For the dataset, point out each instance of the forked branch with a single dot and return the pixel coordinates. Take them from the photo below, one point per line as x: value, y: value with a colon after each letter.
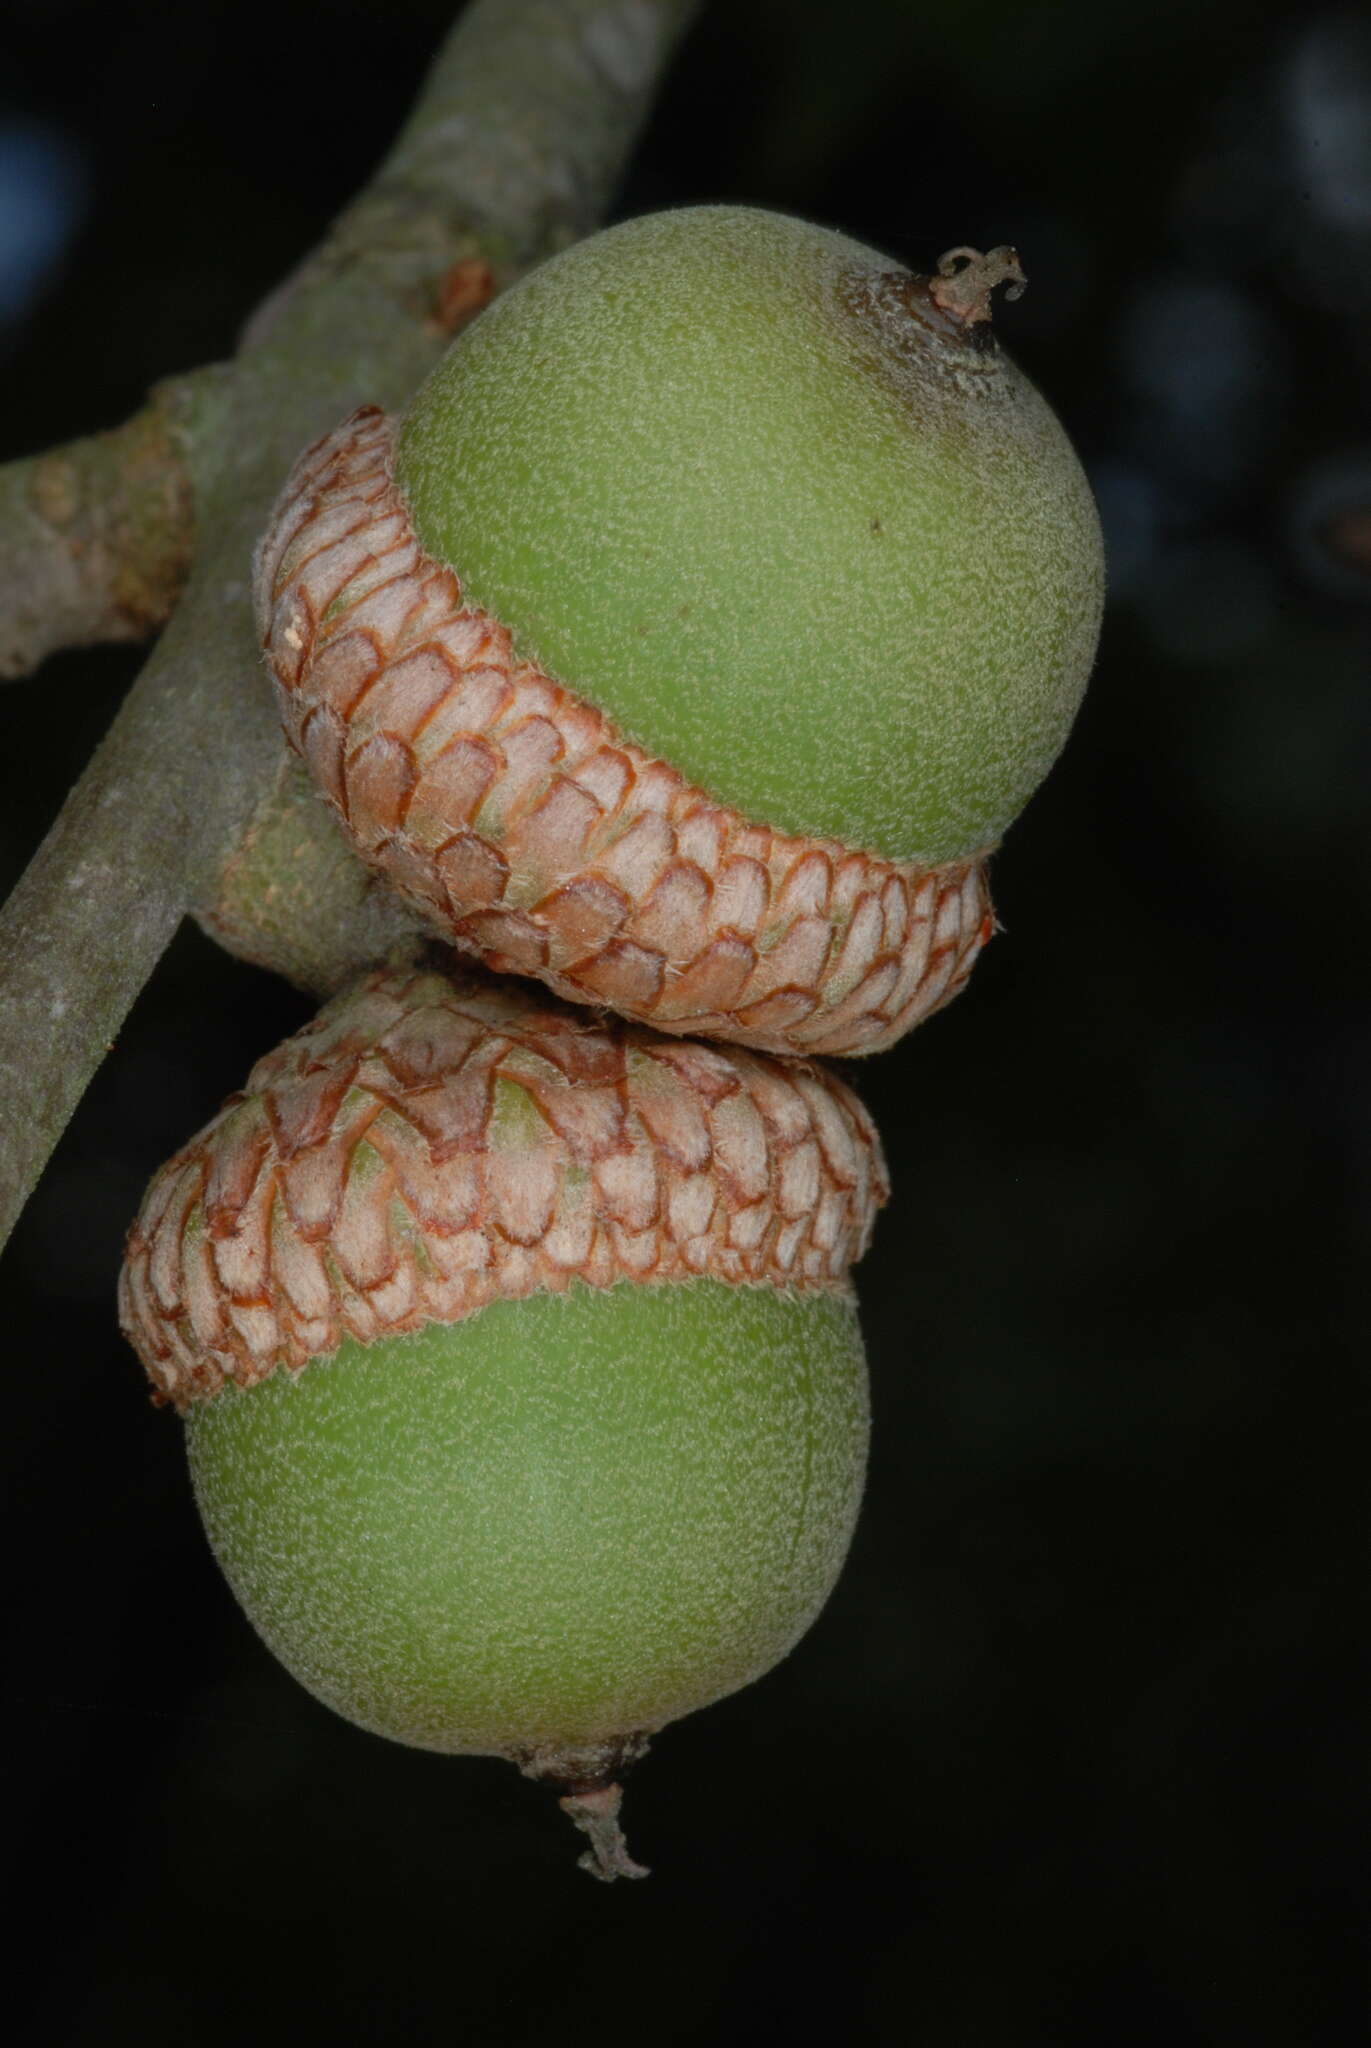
x: 512, y: 150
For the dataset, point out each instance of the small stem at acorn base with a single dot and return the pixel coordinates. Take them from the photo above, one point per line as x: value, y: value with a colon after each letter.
x: 586, y: 1777
x: 596, y: 1814
x: 967, y: 279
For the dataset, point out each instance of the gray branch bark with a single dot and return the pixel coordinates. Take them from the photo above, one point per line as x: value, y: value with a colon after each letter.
x: 98, y: 535
x: 513, y: 150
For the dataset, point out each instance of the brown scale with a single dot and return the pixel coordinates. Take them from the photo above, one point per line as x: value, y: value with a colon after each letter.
x: 529, y: 832
x: 432, y: 1143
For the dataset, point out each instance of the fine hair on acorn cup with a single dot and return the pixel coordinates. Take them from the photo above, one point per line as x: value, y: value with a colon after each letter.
x: 680, y: 657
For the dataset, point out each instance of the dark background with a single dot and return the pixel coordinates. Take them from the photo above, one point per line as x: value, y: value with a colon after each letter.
x: 1075, y: 1753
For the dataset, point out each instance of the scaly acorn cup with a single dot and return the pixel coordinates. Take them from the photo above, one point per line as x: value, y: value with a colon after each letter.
x: 525, y: 1398
x: 720, y: 600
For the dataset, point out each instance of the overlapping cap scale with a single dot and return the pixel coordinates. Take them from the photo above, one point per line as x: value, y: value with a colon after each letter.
x: 528, y: 831
x: 430, y: 1144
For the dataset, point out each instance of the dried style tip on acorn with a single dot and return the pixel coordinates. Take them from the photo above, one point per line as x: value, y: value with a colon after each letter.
x: 526, y: 1403
x: 722, y: 597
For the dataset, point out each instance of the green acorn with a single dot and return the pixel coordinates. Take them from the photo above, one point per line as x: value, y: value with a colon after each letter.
x: 525, y: 1399
x: 720, y: 600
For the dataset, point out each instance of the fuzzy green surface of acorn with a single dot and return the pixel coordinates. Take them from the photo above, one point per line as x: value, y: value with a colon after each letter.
x: 526, y: 1403
x: 566, y: 1521
x: 798, y: 528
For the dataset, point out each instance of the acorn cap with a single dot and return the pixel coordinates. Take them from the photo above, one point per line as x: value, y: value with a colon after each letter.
x: 431, y: 1143
x: 529, y: 832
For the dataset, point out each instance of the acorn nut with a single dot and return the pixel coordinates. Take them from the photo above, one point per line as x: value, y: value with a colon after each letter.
x: 719, y: 602
x: 525, y: 1399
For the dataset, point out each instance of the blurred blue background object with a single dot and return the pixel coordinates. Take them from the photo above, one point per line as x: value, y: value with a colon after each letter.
x: 42, y: 201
